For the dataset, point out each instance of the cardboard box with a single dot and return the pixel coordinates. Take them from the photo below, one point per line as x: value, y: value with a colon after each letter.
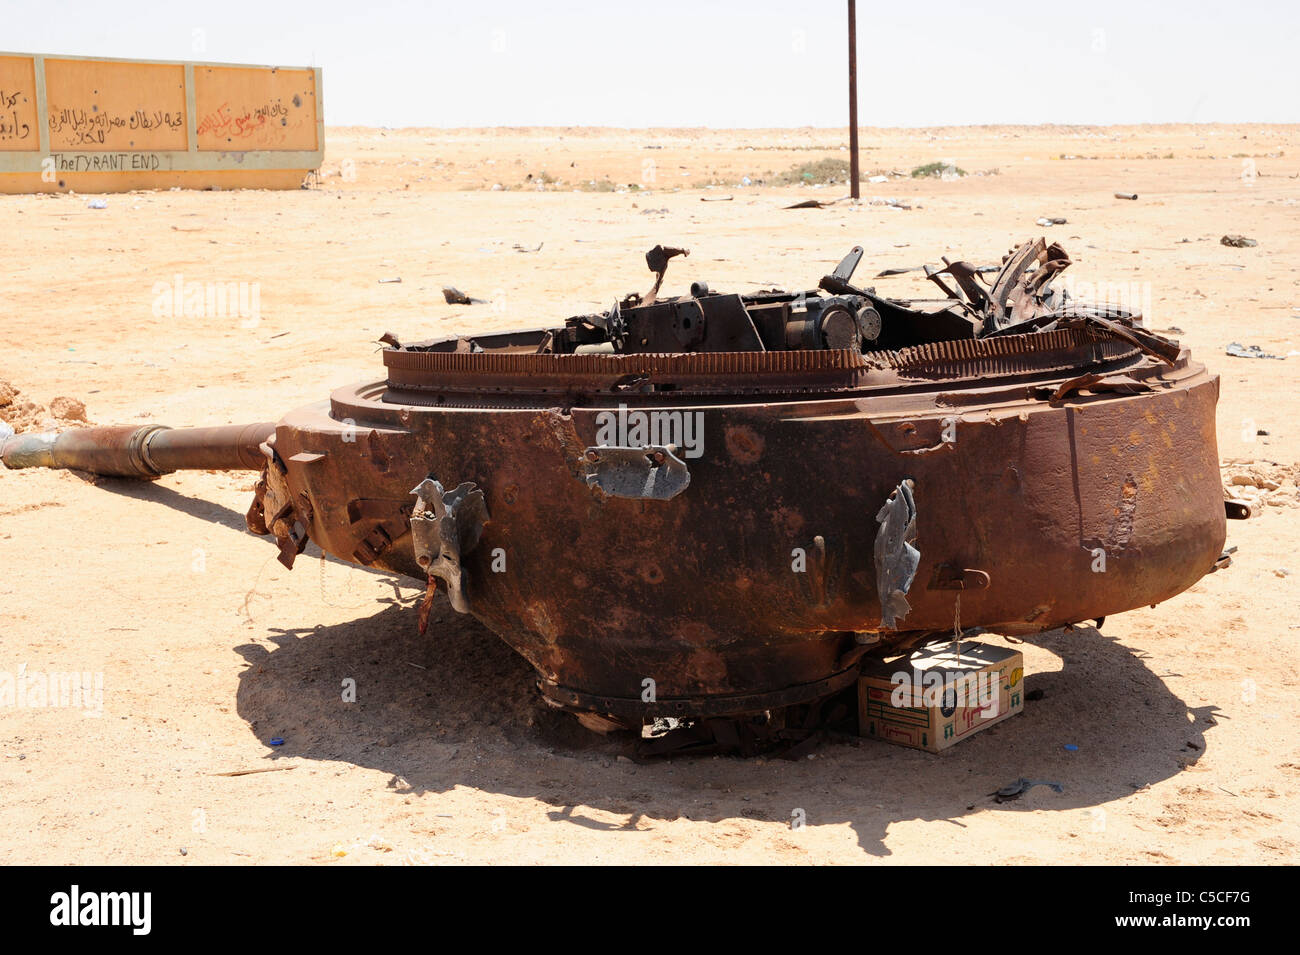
x: 937, y: 698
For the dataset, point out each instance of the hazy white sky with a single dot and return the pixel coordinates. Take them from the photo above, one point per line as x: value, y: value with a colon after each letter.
x: 756, y: 63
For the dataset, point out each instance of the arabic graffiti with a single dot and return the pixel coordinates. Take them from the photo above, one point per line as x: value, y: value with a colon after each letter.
x: 11, y: 126
x: 232, y: 123
x: 80, y: 127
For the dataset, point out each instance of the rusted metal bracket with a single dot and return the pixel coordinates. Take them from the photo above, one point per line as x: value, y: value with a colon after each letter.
x: 651, y: 473
x: 445, y: 526
x: 388, y: 519
x: 952, y: 577
x: 1237, y: 510
x: 275, y: 509
x: 896, y: 556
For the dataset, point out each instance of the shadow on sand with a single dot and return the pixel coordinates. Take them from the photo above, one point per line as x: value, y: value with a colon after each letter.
x: 458, y: 707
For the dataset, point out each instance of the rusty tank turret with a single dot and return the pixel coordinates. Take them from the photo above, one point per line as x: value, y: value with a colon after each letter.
x: 718, y: 505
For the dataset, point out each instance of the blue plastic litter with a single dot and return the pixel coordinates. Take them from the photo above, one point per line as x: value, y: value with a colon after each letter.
x: 1071, y: 748
x: 277, y: 741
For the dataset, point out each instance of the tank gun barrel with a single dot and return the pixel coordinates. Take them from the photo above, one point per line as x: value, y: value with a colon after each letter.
x: 142, y: 451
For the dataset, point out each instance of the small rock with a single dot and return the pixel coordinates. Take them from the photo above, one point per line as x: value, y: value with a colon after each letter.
x: 68, y: 409
x: 7, y: 394
x: 1282, y: 572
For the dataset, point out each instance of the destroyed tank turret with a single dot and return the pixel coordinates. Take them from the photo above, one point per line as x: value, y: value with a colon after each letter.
x: 719, y: 505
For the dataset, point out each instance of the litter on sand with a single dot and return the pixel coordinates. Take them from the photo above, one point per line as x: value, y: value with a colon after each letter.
x: 1238, y: 350
x: 1021, y: 786
x: 455, y: 296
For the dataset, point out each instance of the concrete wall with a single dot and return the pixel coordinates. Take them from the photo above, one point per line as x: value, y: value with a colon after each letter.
x: 102, y: 125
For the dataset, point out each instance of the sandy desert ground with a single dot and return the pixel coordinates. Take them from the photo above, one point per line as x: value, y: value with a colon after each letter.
x: 1186, y: 717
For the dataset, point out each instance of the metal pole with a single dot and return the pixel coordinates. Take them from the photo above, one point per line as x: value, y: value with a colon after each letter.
x: 854, y: 171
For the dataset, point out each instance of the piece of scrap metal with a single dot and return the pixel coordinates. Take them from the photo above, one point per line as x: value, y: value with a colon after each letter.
x: 650, y: 473
x: 896, y: 555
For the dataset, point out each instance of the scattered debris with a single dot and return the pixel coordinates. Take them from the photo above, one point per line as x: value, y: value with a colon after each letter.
x: 815, y: 203
x: 258, y: 769
x: 1050, y: 220
x: 715, y: 198
x: 1238, y: 350
x: 523, y: 248
x: 455, y: 296
x: 1126, y: 195
x: 1225, y: 559
x: 1021, y: 786
x: 397, y: 280
x: 97, y: 204
x: 1238, y: 242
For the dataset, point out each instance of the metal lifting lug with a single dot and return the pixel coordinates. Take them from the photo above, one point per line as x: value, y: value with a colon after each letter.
x: 445, y: 526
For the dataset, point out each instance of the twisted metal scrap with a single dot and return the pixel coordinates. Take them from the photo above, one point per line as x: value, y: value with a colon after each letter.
x: 445, y: 526
x: 896, y: 557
